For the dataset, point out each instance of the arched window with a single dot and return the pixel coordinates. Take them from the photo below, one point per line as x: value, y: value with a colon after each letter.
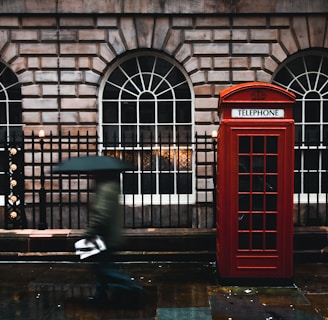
x: 147, y: 119
x: 11, y: 150
x: 306, y: 74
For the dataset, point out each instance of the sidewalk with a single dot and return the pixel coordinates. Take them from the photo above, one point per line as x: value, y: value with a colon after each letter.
x: 172, y: 291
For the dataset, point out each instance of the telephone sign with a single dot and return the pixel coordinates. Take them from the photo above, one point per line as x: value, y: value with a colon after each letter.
x: 255, y: 182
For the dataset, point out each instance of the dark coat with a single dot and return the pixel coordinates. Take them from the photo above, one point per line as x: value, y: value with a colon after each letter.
x: 106, y: 215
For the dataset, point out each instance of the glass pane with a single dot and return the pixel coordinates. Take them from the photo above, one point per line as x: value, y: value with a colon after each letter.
x: 297, y: 182
x: 271, y: 222
x: 130, y: 183
x: 183, y: 134
x: 258, y: 144
x: 165, y: 112
x: 147, y: 111
x: 16, y: 134
x: 244, y: 144
x: 312, y: 134
x: 3, y: 113
x: 4, y: 184
x: 148, y: 183
x: 298, y: 134
x: 129, y: 135
x: 312, y: 109
x: 111, y: 92
x: 166, y: 160
x: 182, y: 91
x: 244, y: 202
x: 184, y: 183
x: 244, y: 222
x: 257, y: 203
x: 325, y: 134
x: 243, y: 240
x: 324, y: 182
x: 110, y: 112
x: 15, y: 112
x: 148, y: 160
x: 257, y: 222
x: 166, y: 183
x: 257, y: 183
x: 325, y: 110
x: 271, y: 202
x: 165, y: 134
x: 272, y: 164
x: 162, y: 67
x: 244, y: 164
x: 311, y: 182
x: 297, y: 111
x: 258, y: 164
x: 311, y: 159
x: 271, y: 241
x: 257, y: 240
x: 272, y: 145
x: 110, y: 134
x: 147, y: 134
x: 4, y: 161
x: 183, y: 112
x: 3, y: 136
x: 271, y: 183
x: 183, y: 158
x: 129, y: 112
x: 324, y: 161
x: 244, y: 183
x: 297, y: 155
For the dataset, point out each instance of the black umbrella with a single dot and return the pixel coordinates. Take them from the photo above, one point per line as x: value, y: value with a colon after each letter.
x: 92, y: 164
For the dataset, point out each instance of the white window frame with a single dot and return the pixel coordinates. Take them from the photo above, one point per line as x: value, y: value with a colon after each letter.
x: 156, y: 198
x: 302, y: 85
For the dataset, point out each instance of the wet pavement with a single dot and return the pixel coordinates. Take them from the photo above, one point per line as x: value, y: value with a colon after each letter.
x: 172, y: 291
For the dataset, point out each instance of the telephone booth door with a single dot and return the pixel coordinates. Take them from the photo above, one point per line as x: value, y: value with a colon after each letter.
x: 255, y: 184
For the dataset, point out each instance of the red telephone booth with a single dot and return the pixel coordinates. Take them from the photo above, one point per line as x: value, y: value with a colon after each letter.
x: 255, y: 182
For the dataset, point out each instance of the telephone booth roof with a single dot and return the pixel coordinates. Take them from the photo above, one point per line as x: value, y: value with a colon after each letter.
x: 251, y: 92
x: 256, y: 95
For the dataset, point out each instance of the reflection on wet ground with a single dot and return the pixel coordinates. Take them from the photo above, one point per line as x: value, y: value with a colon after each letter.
x: 171, y: 292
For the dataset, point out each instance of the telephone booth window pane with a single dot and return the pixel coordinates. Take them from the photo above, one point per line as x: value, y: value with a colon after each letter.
x: 272, y: 164
x: 244, y: 202
x: 257, y: 183
x: 257, y: 240
x: 257, y: 221
x: 244, y: 183
x: 272, y: 145
x: 271, y: 202
x: 244, y: 144
x: 258, y: 164
x: 244, y: 222
x: 243, y: 240
x: 270, y: 241
x: 244, y: 164
x: 257, y: 203
x: 271, y: 183
x: 271, y: 222
x: 258, y: 144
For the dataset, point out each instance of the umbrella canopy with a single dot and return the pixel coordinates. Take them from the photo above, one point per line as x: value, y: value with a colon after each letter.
x: 91, y: 164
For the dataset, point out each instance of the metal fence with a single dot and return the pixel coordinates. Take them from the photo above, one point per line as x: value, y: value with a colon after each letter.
x: 63, y: 201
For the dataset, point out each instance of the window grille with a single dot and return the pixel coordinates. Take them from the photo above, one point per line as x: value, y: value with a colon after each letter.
x: 147, y: 119
x: 306, y: 74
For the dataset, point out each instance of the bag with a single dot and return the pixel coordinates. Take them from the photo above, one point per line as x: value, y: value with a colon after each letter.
x: 86, y: 248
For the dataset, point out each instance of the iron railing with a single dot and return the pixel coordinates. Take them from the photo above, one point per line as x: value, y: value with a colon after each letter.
x: 63, y: 201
